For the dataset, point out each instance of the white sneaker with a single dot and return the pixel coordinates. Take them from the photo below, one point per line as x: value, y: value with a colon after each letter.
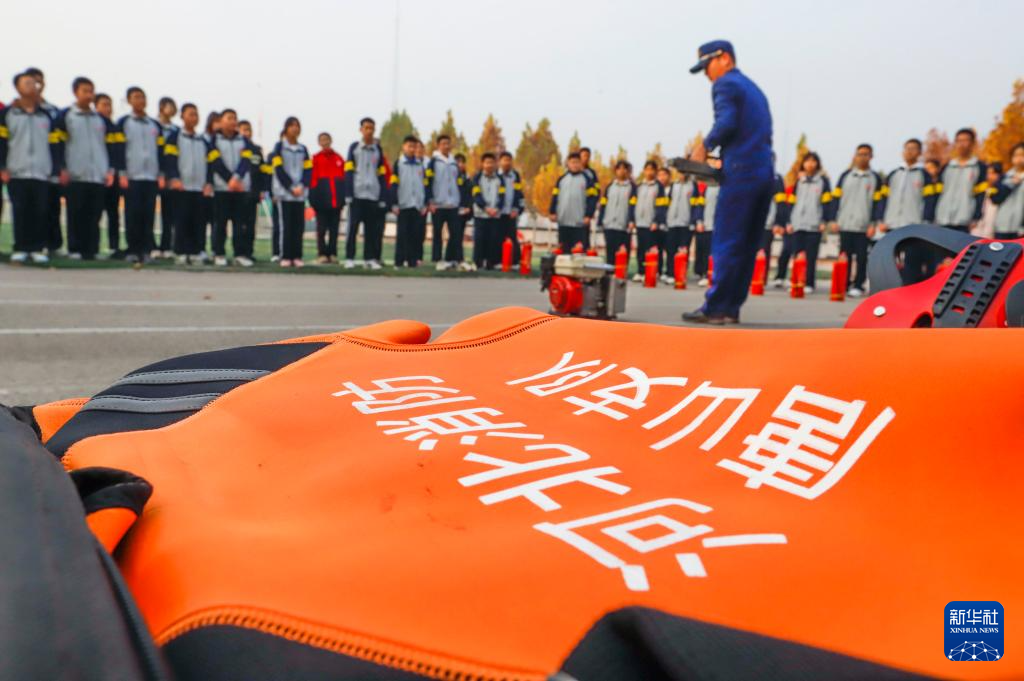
x: 466, y: 267
x: 808, y: 289
x: 156, y: 253
x: 220, y: 261
x: 855, y: 292
x: 638, y: 277
x: 39, y: 258
x: 373, y: 265
x: 19, y: 256
x: 243, y: 261
x: 703, y: 281
x: 275, y: 258
x: 75, y: 256
x: 349, y: 264
x: 665, y: 279
x: 441, y: 266
x: 181, y: 260
x: 167, y: 254
x: 778, y: 283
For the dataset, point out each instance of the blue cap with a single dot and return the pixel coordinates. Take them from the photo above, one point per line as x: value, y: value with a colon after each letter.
x: 709, y: 51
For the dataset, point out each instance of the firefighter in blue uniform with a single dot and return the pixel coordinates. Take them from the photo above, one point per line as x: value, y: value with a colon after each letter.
x: 743, y: 131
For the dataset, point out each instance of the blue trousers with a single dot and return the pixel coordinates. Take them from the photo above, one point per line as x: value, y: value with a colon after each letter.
x: 742, y: 210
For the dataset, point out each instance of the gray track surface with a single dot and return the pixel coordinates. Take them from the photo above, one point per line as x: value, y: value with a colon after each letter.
x: 69, y: 333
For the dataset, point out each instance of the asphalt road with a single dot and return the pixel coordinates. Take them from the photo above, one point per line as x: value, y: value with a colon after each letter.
x: 69, y: 332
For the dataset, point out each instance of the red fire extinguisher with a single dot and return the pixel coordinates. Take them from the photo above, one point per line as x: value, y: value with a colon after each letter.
x: 680, y: 262
x: 651, y: 268
x: 621, y: 262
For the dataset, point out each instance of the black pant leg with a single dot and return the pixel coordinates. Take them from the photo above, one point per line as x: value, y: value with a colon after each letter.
x: 148, y: 194
x: 293, y: 225
x: 240, y: 238
x: 420, y: 238
x: 333, y: 223
x: 644, y: 241
x: 613, y: 239
x: 29, y: 206
x: 76, y: 198
x: 321, y: 231
x: 703, y: 253
x: 134, y: 218
x: 860, y: 253
x: 112, y: 208
x: 91, y: 203
x: 354, y: 217
x: 251, y: 209
x: 453, y: 250
x: 56, y: 238
x: 373, y: 246
x: 167, y: 226
x: 221, y: 216
x: 766, y: 242
x: 788, y: 249
x: 275, y: 229
x: 810, y: 243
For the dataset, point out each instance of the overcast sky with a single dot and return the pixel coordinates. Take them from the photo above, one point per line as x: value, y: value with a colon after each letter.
x: 841, y: 72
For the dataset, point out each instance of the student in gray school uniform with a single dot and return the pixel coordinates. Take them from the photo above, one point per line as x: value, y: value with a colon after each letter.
x: 573, y: 201
x: 166, y: 110
x: 488, y: 194
x: 29, y: 153
x: 682, y: 215
x: 293, y: 171
x: 704, y: 233
x: 857, y: 199
x: 55, y: 239
x: 961, y: 185
x: 650, y: 213
x: 1009, y: 197
x: 908, y: 198
x: 585, y: 154
x: 112, y: 195
x: 409, y: 198
x: 190, y: 177
x: 143, y: 141
x: 513, y: 205
x: 812, y: 209
x: 443, y: 177
x: 231, y: 159
x: 366, y: 187
x: 616, y: 214
x: 89, y: 141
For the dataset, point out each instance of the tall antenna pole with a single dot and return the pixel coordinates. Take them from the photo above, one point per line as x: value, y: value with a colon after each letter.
x: 394, y: 77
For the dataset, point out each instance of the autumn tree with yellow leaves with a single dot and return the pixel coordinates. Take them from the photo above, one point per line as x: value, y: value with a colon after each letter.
x: 1008, y: 130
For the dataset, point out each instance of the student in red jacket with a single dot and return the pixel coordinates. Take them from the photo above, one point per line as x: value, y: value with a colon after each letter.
x: 327, y: 197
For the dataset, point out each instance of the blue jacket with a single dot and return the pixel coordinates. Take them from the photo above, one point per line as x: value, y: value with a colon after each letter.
x: 743, y: 126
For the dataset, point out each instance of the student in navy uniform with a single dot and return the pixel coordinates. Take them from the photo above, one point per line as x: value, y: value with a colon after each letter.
x: 513, y: 203
x: 454, y: 251
x: 743, y: 131
x: 90, y: 141
x: 29, y: 152
x: 408, y: 199
x: 704, y: 233
x: 443, y: 177
x: 488, y: 194
x: 857, y: 204
x: 572, y: 203
x: 650, y: 212
x: 210, y: 131
x: 141, y: 151
x: 615, y: 216
x: 293, y: 170
x: 366, y: 189
x: 684, y: 210
x: 812, y: 209
x: 262, y: 175
x: 589, y: 172
x: 1009, y: 197
x: 231, y: 157
x: 55, y: 239
x: 777, y: 212
x: 190, y: 176
x: 112, y: 194
x: 327, y: 197
x: 166, y: 110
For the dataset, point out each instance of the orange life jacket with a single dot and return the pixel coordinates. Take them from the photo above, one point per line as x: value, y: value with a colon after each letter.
x: 470, y: 508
